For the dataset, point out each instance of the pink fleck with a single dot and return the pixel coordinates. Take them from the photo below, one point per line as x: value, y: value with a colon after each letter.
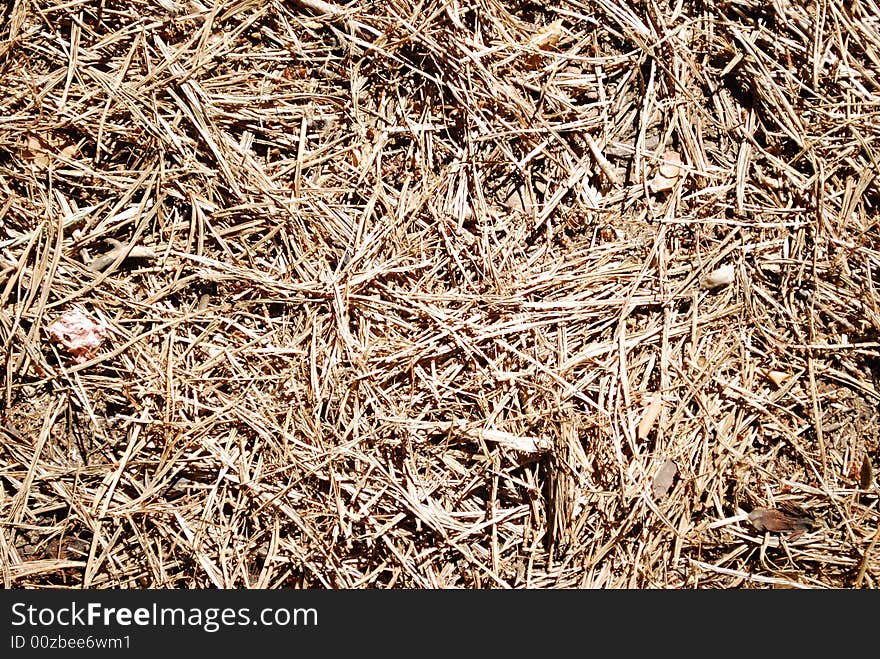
x: 78, y: 334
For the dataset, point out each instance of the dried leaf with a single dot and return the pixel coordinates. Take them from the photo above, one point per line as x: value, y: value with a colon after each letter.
x: 40, y: 149
x: 785, y: 518
x: 519, y: 200
x: 720, y: 277
x: 661, y: 183
x: 37, y: 151
x: 649, y: 418
x: 778, y: 378
x: 671, y: 166
x: 70, y: 151
x: 548, y: 36
x: 663, y: 479
x: 668, y: 173
x: 101, y: 263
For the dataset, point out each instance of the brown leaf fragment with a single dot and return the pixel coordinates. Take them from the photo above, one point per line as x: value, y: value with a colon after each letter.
x: 37, y: 151
x: 118, y: 249
x: 548, y: 36
x: 866, y: 473
x: 42, y: 149
x: 668, y: 172
x: 661, y: 183
x: 663, y: 479
x: 70, y: 151
x: 779, y: 520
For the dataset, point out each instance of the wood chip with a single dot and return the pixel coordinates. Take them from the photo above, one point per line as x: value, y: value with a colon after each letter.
x: 866, y: 473
x: 650, y: 416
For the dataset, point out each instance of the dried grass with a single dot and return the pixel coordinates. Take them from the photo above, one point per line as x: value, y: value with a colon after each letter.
x: 427, y: 295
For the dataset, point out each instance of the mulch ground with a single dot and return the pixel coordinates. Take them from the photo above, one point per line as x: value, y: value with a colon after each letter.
x: 451, y: 294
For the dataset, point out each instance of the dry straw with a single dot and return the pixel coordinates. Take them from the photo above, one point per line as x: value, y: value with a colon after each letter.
x: 389, y: 287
